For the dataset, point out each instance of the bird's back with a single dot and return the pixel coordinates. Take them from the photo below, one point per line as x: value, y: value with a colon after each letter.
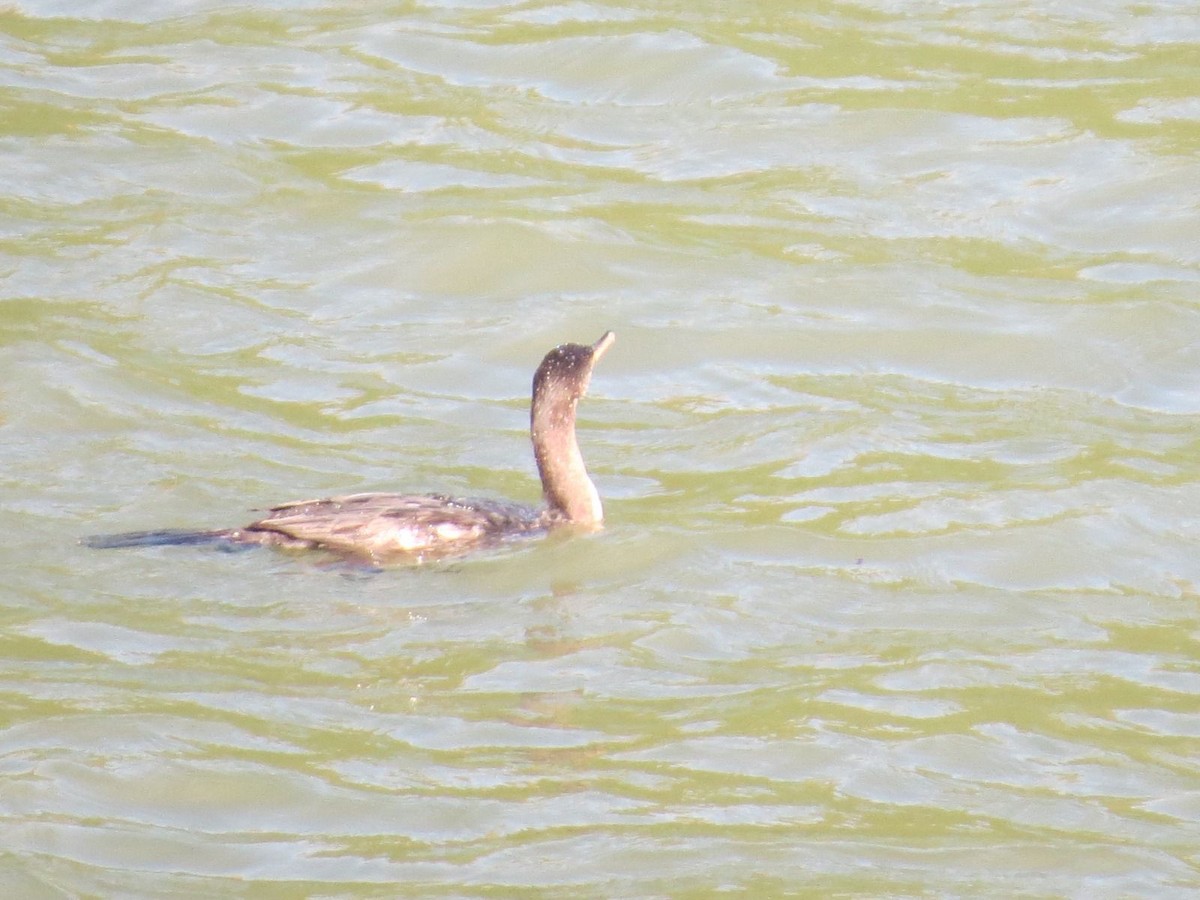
x: 390, y: 525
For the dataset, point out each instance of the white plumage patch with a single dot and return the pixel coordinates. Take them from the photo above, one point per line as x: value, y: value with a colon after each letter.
x: 415, y: 538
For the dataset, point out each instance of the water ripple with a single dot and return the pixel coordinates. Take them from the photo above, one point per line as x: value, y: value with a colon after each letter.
x: 897, y: 444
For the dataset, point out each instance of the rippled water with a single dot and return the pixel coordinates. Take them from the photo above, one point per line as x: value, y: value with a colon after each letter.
x: 899, y: 445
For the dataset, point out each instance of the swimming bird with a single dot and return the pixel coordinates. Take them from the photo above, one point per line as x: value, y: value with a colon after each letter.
x: 393, y: 527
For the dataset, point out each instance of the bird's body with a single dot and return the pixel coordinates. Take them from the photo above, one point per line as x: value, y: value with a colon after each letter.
x: 381, y: 524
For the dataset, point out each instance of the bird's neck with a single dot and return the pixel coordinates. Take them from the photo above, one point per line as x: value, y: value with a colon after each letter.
x: 565, y: 483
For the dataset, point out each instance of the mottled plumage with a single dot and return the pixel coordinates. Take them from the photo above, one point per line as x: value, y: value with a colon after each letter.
x: 380, y: 525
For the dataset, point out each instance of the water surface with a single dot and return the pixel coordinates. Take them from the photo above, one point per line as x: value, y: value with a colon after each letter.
x: 899, y: 446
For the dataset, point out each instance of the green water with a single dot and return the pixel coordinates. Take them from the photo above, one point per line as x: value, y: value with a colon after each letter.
x: 899, y: 445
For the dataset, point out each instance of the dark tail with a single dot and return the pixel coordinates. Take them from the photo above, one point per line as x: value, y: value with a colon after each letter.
x: 153, y: 538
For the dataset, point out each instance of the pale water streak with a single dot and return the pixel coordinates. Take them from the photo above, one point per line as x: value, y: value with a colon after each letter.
x: 899, y: 445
